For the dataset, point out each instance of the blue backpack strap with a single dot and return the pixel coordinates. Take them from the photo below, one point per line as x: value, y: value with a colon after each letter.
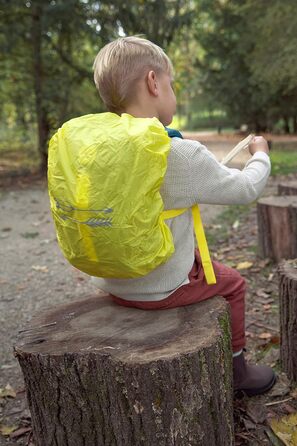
x: 172, y: 133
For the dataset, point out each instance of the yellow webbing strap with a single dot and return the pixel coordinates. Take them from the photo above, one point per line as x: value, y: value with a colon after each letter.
x: 202, y: 245
x: 201, y: 240
x: 173, y: 213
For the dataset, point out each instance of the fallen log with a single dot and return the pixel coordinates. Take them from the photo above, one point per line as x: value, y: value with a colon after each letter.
x: 288, y: 317
x: 99, y: 374
x: 277, y: 227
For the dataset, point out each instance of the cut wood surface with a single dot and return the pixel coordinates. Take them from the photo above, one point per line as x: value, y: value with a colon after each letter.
x: 288, y: 317
x: 277, y: 227
x: 99, y: 374
x: 287, y: 188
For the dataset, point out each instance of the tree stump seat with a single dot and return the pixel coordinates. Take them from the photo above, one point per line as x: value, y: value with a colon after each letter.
x: 277, y: 227
x: 288, y: 317
x: 100, y: 374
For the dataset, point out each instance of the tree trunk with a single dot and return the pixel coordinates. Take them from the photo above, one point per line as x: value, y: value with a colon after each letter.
x: 287, y: 188
x: 277, y: 227
x: 288, y: 317
x: 98, y: 374
x: 286, y: 124
x: 41, y: 113
x: 295, y: 124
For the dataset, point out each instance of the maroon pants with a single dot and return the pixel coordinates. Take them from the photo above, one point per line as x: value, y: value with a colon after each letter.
x: 230, y: 285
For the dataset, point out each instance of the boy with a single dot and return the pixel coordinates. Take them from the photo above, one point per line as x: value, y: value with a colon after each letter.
x: 134, y: 76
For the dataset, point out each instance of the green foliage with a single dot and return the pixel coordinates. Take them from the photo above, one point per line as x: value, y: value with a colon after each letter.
x: 49, y: 48
x: 283, y: 162
x: 250, y: 59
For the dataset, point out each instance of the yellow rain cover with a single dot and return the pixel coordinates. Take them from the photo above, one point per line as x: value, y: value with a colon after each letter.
x: 104, y: 178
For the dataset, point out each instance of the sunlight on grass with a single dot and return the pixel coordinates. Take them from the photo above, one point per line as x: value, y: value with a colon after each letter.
x: 283, y: 162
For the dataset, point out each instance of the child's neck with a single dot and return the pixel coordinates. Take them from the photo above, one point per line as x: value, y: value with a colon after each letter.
x: 142, y: 111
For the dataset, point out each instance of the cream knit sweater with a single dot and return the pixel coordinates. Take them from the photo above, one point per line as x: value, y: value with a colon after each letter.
x: 193, y: 176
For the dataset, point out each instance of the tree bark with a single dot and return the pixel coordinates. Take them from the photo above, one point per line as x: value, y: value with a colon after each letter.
x: 288, y: 317
x: 287, y: 188
x: 98, y: 374
x: 277, y: 227
x: 41, y: 113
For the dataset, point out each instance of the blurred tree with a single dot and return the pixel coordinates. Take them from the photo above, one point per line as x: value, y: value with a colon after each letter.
x: 223, y: 33
x: 49, y: 48
x: 249, y: 64
x: 273, y: 60
x: 159, y: 20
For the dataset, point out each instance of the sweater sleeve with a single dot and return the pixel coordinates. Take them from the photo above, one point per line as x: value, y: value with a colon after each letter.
x: 210, y: 182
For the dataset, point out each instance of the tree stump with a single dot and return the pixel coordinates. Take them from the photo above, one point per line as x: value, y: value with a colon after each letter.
x: 277, y: 227
x: 288, y: 317
x: 99, y: 374
x: 287, y: 188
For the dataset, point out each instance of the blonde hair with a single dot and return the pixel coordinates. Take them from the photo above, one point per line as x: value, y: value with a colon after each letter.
x: 123, y: 62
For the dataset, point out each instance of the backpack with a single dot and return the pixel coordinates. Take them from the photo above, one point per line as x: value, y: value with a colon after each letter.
x: 104, y: 177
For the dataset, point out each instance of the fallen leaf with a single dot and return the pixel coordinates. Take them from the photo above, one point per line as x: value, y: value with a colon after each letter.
x: 262, y: 293
x: 244, y: 265
x: 263, y: 263
x: 249, y: 425
x: 285, y: 428
x: 215, y: 226
x: 46, y: 241
x: 257, y: 412
x: 7, y: 430
x: 265, y: 335
x: 8, y: 391
x: 42, y: 269
x: 226, y: 249
x: 235, y: 224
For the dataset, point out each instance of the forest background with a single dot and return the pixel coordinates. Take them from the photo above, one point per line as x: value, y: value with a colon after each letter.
x: 235, y: 63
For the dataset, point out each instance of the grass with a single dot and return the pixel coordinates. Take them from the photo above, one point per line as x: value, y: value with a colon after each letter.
x: 283, y: 162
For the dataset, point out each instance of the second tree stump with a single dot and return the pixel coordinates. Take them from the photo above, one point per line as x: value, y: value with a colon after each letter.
x: 277, y: 227
x: 287, y: 188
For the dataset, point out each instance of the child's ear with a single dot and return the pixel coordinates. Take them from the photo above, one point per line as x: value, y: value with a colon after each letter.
x: 152, y: 83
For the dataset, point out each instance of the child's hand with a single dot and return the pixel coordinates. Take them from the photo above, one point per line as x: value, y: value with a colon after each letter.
x: 258, y: 144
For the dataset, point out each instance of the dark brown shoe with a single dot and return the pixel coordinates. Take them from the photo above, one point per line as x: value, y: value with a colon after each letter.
x: 251, y: 379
